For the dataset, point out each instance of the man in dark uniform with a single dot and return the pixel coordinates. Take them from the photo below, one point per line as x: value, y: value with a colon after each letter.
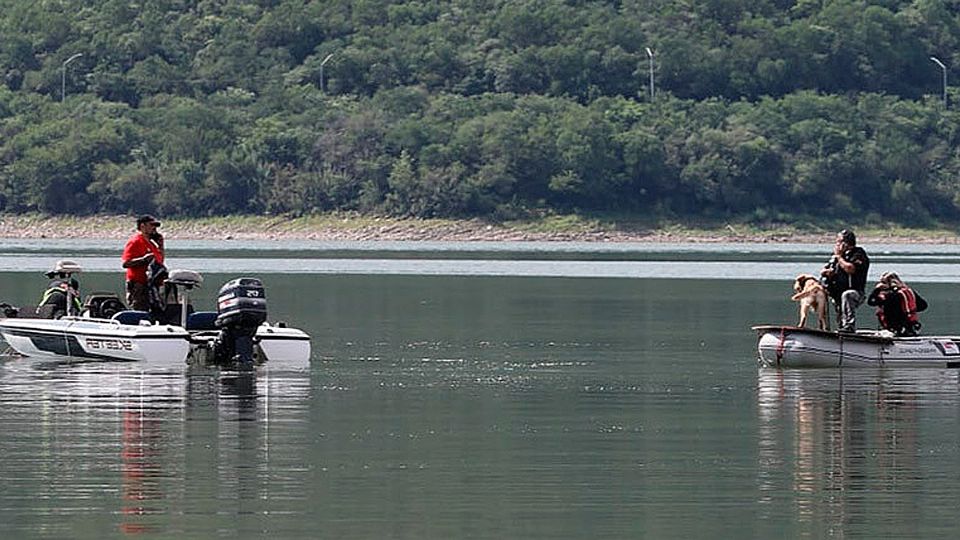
x: 845, y: 276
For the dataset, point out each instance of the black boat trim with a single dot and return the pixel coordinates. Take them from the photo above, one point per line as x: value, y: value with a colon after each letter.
x: 258, y: 338
x: 24, y: 332
x: 62, y: 345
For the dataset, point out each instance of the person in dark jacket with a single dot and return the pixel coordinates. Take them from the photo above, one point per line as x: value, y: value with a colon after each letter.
x: 898, y: 305
x: 845, y: 277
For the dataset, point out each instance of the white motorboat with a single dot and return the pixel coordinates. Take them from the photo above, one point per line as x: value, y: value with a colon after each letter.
x: 96, y: 339
x: 794, y: 347
x: 237, y: 333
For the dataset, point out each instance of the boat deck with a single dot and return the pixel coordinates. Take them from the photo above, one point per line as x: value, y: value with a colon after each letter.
x: 872, y: 336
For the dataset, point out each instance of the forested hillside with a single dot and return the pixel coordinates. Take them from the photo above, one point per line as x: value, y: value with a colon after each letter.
x: 763, y: 109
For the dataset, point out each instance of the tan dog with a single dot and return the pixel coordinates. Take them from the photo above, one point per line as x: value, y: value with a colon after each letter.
x: 812, y: 297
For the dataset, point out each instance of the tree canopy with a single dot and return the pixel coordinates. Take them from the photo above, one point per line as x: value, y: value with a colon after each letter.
x: 764, y: 109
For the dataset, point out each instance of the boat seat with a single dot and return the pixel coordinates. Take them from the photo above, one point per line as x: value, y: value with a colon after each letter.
x: 171, y: 314
x: 131, y: 317
x: 202, y: 320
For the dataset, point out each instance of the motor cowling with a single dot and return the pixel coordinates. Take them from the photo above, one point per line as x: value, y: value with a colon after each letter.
x: 241, y: 303
x: 241, y: 308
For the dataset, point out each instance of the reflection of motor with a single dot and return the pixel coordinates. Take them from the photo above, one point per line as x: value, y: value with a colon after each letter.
x: 241, y: 308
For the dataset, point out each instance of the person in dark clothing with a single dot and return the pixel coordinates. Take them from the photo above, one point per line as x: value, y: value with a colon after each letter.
x: 898, y: 305
x: 845, y: 277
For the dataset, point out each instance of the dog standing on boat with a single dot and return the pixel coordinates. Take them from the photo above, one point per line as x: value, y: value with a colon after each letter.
x: 812, y: 297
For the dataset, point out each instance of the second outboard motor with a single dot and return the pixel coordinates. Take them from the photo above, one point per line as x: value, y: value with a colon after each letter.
x: 241, y: 308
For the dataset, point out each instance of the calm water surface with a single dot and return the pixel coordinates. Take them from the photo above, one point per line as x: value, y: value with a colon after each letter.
x: 542, y: 392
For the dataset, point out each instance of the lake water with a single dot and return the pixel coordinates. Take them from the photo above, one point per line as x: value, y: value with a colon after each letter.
x: 487, y: 391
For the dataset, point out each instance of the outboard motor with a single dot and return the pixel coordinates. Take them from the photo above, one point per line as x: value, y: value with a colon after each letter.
x: 241, y: 308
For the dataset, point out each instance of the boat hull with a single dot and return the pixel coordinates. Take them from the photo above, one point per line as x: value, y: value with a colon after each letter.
x: 277, y: 344
x: 793, y: 347
x: 283, y: 344
x: 95, y: 339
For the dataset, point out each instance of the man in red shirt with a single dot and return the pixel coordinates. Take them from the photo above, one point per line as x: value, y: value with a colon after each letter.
x: 142, y: 248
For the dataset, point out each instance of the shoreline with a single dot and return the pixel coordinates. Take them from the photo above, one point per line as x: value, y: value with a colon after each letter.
x: 340, y: 227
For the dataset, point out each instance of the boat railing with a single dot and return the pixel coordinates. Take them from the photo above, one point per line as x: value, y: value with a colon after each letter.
x: 80, y: 318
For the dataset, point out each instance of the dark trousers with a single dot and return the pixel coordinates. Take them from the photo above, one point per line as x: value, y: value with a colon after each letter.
x: 138, y: 297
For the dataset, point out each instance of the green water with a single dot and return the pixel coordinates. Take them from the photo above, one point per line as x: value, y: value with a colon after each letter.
x: 486, y: 407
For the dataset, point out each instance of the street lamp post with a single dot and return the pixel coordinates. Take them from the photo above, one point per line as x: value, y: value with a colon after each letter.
x: 944, y: 69
x: 325, y: 60
x: 650, y: 57
x: 63, y: 76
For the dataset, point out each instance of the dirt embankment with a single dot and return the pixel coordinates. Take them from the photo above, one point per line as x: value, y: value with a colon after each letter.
x: 355, y: 228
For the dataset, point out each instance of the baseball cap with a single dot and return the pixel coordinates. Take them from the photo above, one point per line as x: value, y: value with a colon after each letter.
x: 147, y: 218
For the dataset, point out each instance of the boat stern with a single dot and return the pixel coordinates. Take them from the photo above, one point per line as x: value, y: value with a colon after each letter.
x: 282, y: 344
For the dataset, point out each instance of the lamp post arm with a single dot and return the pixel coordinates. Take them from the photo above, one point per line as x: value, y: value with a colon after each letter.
x: 650, y: 58
x: 63, y: 75
x: 323, y: 63
x: 943, y: 68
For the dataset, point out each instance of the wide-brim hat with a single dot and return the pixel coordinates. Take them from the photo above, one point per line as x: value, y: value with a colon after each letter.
x: 64, y: 266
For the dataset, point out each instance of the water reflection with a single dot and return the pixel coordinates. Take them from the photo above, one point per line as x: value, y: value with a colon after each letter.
x: 114, y: 440
x: 843, y: 443
x: 141, y: 448
x: 243, y: 436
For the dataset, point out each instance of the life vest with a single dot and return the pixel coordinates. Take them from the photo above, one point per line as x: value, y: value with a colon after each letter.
x: 56, y: 295
x: 908, y: 301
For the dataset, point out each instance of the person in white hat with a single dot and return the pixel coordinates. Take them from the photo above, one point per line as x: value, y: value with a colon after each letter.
x: 62, y: 296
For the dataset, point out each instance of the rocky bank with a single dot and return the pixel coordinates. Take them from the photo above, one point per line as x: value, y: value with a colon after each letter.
x: 359, y: 228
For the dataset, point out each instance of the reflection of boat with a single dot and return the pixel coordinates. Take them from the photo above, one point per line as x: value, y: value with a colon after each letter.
x: 790, y: 346
x: 236, y: 333
x: 830, y: 441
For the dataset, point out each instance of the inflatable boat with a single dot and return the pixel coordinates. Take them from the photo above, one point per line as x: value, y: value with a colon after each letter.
x: 794, y: 347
